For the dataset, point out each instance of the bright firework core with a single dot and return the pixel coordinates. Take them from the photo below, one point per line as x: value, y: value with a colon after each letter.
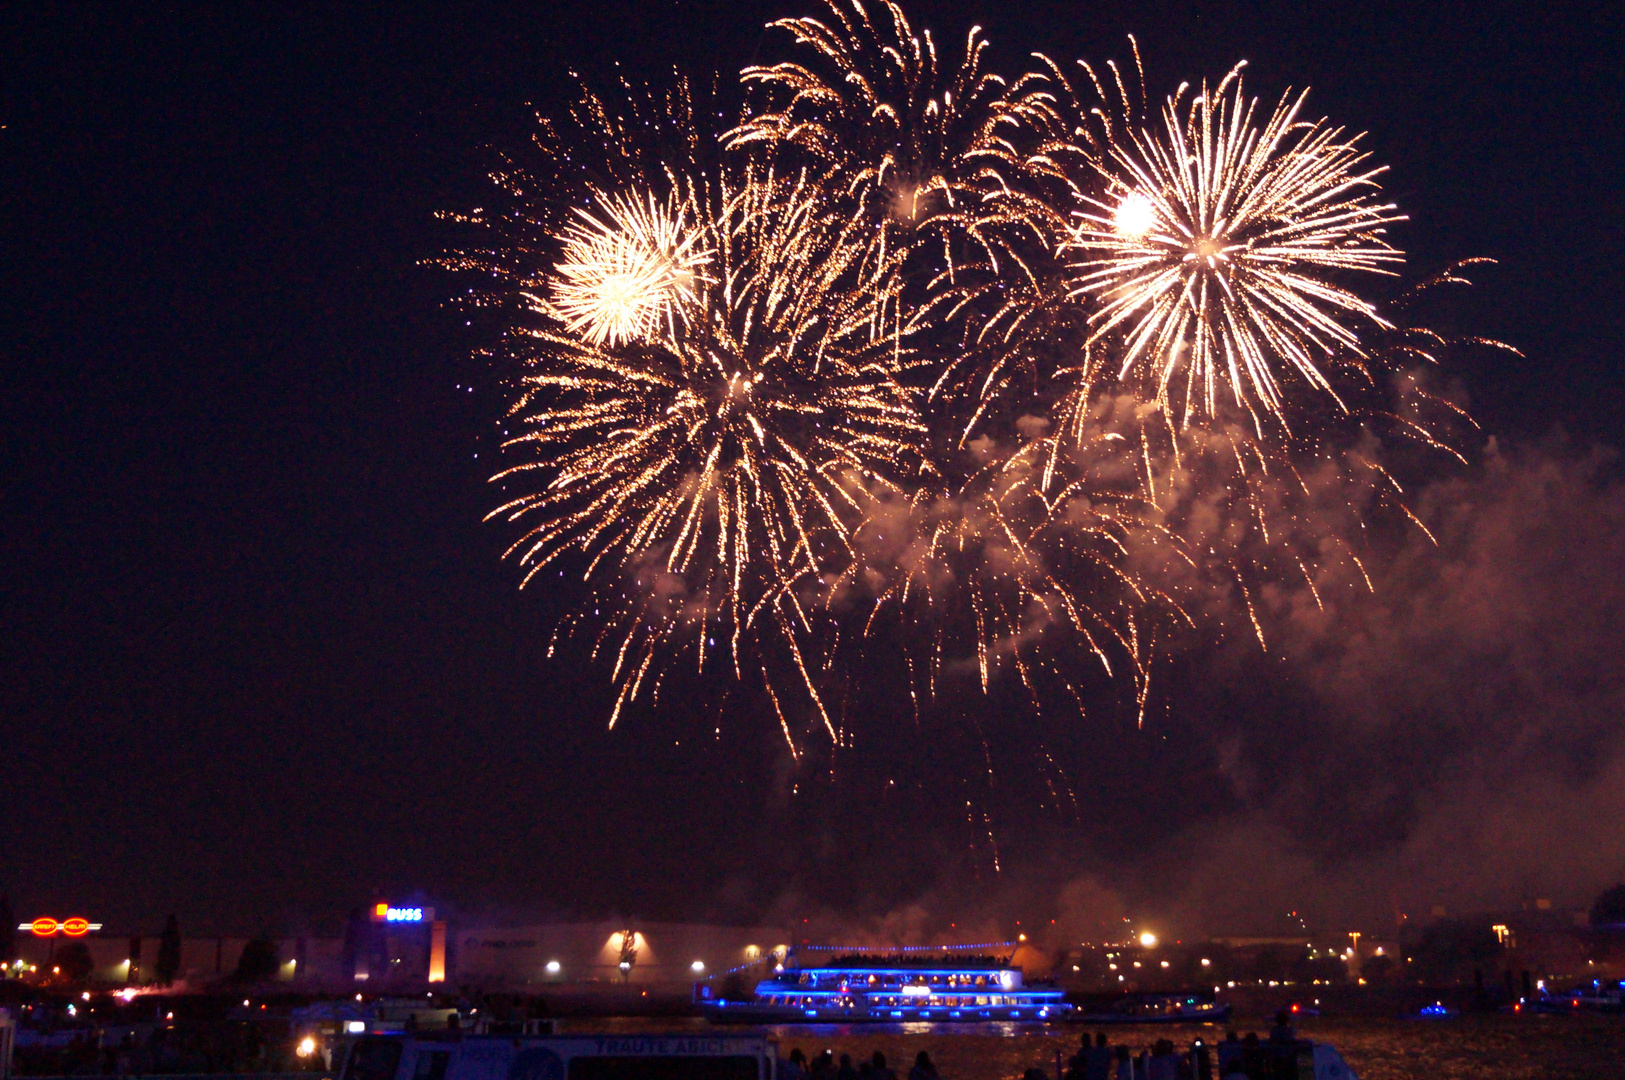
x: 626, y: 273
x: 1134, y: 216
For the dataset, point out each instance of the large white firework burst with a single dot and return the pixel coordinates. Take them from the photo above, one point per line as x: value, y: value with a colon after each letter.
x: 1215, y: 250
x: 627, y: 271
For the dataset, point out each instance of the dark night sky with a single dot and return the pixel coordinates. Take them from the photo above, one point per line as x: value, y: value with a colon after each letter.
x: 258, y: 656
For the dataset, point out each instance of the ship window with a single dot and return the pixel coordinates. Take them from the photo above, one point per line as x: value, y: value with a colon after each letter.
x: 431, y: 1065
x: 981, y: 980
x: 374, y: 1059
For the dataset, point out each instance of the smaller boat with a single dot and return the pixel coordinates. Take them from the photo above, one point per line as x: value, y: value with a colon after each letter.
x: 1187, y: 1007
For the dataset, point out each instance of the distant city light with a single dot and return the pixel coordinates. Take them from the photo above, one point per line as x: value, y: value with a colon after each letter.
x: 553, y: 967
x: 355, y: 1027
x: 306, y: 1047
x: 1148, y: 939
x: 697, y: 965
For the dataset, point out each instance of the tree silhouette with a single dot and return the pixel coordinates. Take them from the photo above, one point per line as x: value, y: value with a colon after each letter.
x: 74, y: 963
x: 169, y: 953
x: 1609, y: 909
x: 259, y: 960
x: 8, y: 931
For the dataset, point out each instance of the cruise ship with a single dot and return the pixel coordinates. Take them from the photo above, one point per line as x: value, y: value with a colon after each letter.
x: 890, y: 990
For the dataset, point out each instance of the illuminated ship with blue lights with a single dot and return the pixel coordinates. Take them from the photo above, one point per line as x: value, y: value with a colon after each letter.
x: 891, y: 990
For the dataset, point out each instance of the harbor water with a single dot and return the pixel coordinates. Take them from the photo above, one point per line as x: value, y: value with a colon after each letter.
x: 1487, y: 1047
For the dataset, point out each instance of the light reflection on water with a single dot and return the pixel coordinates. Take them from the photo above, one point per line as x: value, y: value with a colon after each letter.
x: 1470, y: 1048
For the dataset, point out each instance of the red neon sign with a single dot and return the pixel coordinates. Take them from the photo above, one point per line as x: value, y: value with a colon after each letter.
x: 45, y: 926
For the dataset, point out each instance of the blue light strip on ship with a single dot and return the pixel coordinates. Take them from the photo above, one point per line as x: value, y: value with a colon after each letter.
x: 827, y: 971
x: 867, y: 949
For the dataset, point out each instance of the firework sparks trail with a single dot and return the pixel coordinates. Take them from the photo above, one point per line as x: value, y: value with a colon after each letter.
x: 1214, y: 250
x: 916, y: 145
x: 1019, y: 560
x: 896, y: 130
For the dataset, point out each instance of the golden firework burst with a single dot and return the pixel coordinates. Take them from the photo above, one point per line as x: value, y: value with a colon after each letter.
x: 704, y: 471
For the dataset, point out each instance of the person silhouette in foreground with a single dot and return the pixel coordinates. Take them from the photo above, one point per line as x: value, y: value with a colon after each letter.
x: 923, y: 1069
x: 1163, y: 1066
x: 1077, y: 1064
x: 1099, y: 1061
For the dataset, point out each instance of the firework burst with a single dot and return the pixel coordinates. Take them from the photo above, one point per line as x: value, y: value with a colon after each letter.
x: 881, y: 112
x: 1214, y: 253
x: 627, y: 271
x: 909, y: 352
x: 704, y: 472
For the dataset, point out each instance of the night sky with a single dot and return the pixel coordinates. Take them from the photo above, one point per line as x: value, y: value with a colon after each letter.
x: 259, y: 657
